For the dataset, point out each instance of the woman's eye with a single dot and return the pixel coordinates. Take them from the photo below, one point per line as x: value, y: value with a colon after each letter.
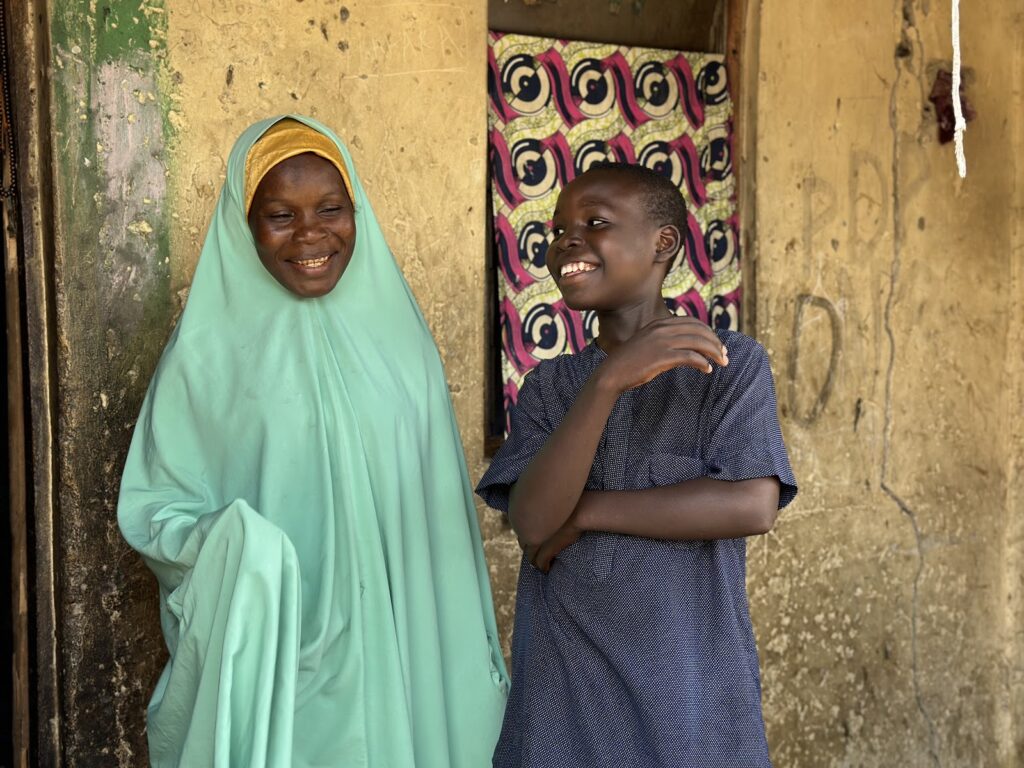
x: 280, y: 216
x: 332, y: 210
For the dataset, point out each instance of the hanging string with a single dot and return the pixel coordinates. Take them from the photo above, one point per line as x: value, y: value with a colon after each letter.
x: 960, y: 125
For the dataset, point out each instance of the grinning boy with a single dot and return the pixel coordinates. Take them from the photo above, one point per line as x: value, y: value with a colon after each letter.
x: 632, y: 472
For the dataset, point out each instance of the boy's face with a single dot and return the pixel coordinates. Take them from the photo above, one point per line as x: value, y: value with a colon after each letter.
x: 303, y: 223
x: 605, y: 252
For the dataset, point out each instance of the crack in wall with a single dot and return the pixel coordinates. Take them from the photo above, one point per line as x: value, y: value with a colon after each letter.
x: 903, y: 59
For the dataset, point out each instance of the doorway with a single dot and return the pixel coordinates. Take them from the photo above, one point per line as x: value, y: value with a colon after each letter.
x: 713, y: 30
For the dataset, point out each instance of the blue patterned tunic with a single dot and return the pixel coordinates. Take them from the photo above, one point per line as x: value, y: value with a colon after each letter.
x: 635, y: 652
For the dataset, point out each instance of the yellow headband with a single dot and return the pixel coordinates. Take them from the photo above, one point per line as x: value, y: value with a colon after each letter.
x: 284, y: 139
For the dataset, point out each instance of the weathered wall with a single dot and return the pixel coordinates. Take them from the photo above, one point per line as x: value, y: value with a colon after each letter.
x: 880, y: 599
x: 888, y: 601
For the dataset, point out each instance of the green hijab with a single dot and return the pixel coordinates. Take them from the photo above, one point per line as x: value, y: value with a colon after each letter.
x: 296, y: 482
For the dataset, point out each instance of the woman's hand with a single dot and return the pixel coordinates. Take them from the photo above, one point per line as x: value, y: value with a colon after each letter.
x: 660, y: 346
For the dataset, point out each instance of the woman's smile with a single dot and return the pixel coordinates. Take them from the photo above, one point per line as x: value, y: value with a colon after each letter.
x: 313, y: 265
x: 303, y: 225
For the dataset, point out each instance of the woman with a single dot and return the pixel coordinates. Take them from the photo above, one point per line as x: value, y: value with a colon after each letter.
x: 296, y: 483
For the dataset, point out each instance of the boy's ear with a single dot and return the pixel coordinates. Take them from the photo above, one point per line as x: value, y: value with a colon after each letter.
x: 670, y: 241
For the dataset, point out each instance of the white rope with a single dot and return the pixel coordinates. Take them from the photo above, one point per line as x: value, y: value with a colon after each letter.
x: 960, y: 124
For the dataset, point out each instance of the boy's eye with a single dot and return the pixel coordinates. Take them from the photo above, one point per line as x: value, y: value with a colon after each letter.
x: 557, y: 232
x: 595, y: 222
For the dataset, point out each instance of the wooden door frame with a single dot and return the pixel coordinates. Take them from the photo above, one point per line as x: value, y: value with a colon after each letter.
x: 742, y: 62
x: 37, y: 726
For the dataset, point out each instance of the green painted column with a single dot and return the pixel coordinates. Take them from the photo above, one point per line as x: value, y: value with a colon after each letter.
x: 111, y: 138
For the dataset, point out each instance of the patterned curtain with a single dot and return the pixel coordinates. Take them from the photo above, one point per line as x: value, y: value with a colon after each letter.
x: 558, y: 106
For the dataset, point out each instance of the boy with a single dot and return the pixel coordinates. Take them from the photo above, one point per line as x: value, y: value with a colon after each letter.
x: 631, y: 474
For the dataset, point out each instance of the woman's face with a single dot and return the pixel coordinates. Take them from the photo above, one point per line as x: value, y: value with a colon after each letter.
x: 303, y: 222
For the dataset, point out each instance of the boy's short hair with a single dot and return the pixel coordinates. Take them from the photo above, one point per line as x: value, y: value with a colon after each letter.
x: 662, y: 199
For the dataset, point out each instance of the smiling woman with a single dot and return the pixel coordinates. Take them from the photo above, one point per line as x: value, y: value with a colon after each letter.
x: 299, y: 208
x: 296, y: 482
x: 304, y: 225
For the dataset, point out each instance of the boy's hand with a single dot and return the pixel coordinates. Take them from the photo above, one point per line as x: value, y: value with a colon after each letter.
x: 541, y: 557
x: 660, y: 346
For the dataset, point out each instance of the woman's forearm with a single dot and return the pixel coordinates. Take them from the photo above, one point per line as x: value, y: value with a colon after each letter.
x: 695, y: 510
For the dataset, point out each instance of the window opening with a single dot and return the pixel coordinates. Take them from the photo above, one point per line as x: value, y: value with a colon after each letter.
x: 555, y: 107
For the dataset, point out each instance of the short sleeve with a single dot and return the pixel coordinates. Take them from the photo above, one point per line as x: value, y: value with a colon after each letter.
x: 744, y: 439
x: 529, y: 429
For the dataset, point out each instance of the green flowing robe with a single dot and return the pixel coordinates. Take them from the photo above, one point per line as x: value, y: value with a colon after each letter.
x: 296, y: 482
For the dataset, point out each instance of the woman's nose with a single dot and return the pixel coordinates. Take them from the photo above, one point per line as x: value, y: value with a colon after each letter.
x: 309, y: 230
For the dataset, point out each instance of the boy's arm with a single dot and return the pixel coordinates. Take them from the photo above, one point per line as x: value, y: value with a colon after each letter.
x: 699, y: 509
x: 548, y: 491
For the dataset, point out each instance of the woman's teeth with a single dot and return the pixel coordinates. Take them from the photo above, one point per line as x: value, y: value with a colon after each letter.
x: 576, y: 266
x: 313, y: 263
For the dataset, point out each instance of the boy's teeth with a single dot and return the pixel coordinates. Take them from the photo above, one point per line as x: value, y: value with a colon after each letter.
x: 576, y: 266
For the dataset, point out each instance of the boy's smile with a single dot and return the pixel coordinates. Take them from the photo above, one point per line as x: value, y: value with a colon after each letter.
x: 571, y: 270
x: 605, y: 251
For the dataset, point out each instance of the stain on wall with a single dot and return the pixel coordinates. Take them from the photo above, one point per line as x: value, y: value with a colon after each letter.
x: 888, y: 602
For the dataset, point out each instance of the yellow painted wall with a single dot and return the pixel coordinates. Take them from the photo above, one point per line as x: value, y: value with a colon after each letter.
x: 887, y: 602
x: 402, y: 84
